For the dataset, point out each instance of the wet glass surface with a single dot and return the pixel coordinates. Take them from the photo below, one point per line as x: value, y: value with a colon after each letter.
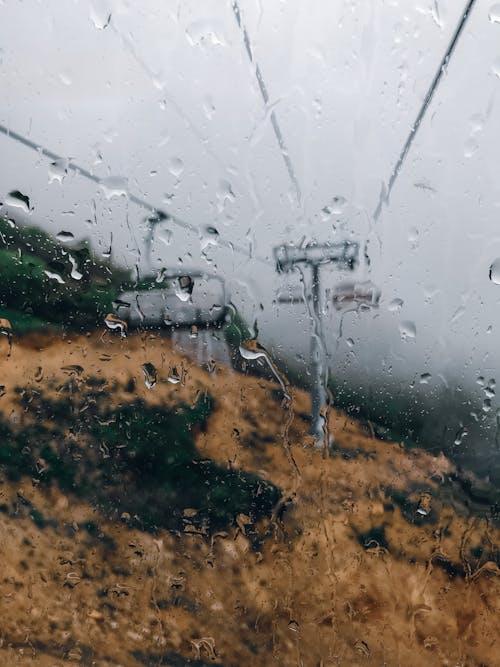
x: 249, y: 292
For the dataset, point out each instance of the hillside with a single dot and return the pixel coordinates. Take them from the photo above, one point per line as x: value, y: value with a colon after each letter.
x: 370, y: 554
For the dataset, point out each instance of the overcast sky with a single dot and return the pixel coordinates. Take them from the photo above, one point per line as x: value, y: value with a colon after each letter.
x: 161, y: 96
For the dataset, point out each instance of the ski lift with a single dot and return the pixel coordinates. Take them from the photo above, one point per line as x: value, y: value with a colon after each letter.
x: 355, y: 295
x: 189, y: 298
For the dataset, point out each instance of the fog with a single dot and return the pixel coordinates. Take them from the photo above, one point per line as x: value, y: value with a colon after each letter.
x: 162, y: 98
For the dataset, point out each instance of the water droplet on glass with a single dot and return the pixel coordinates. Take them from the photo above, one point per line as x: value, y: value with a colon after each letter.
x: 174, y: 376
x: 18, y: 200
x: 54, y: 276
x: 58, y: 170
x: 424, y: 504
x: 75, y: 273
x: 494, y: 13
x: 408, y: 330
x: 362, y: 648
x: 149, y: 374
x: 335, y: 207
x: 175, y: 166
x: 208, y: 107
x: 184, y: 287
x: 495, y: 67
x: 73, y: 369
x: 100, y: 14
x: 293, y: 626
x: 194, y: 332
x: 204, y: 33
x: 495, y: 271
x: 64, y: 237
x: 470, y: 147
x: 208, y: 236
x: 114, y: 186
x: 461, y: 433
x: 424, y: 378
x: 413, y: 237
x: 65, y: 78
x: 115, y: 323
x: 395, y: 305
x: 224, y: 193
x: 165, y: 236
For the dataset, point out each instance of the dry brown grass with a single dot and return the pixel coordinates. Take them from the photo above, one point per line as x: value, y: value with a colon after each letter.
x: 347, y: 572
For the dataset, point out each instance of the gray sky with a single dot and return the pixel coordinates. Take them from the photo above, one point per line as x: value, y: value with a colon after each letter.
x: 164, y: 97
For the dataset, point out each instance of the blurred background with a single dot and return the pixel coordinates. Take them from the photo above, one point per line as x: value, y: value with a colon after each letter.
x: 160, y: 102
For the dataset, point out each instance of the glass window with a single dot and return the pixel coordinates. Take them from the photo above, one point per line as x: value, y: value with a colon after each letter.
x: 249, y: 299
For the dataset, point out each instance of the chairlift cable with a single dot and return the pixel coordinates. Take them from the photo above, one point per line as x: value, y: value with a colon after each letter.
x: 139, y: 201
x: 265, y: 96
x: 443, y: 65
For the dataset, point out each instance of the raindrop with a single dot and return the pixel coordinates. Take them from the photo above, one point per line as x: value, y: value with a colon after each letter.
x: 424, y: 504
x: 65, y: 78
x: 395, y: 305
x: 174, y: 376
x: 224, y: 193
x: 175, y: 166
x: 208, y: 107
x: 461, y: 433
x: 165, y: 236
x: 362, y: 648
x: 495, y: 271
x: 413, y: 237
x: 54, y: 276
x: 194, y: 332
x: 494, y: 13
x: 253, y: 350
x: 149, y: 374
x: 293, y: 626
x: 335, y: 207
x: 73, y: 369
x: 424, y: 378
x: 58, y: 170
x: 184, y: 287
x: 64, y: 237
x: 208, y: 236
x: 470, y: 147
x: 201, y: 33
x: 16, y: 199
x: 100, y: 15
x: 115, y: 323
x: 38, y: 374
x: 495, y: 67
x: 114, y: 186
x: 408, y: 330
x: 75, y: 273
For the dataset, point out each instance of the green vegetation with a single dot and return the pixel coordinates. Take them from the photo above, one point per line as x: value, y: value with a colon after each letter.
x: 135, y: 461
x: 236, y: 330
x: 45, y: 285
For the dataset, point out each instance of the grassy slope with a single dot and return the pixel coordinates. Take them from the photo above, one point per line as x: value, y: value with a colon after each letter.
x: 345, y: 571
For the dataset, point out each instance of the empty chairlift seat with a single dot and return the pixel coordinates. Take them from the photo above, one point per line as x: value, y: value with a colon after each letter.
x: 189, y: 298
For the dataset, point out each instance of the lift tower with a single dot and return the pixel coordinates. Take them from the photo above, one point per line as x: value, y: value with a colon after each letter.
x: 345, y: 256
